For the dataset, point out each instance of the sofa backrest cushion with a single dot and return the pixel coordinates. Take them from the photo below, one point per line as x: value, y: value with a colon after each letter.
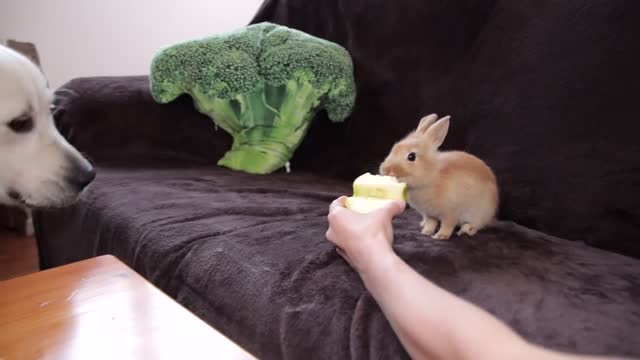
x: 544, y: 91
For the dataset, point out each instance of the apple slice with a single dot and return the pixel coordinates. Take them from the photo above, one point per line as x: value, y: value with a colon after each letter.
x: 370, y: 192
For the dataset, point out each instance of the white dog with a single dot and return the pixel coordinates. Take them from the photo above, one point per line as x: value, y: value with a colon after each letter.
x: 38, y: 167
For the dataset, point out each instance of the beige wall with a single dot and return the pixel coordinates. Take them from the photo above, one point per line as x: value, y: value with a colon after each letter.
x: 113, y: 37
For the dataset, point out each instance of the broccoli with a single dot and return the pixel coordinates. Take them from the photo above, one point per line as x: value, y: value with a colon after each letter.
x: 262, y: 84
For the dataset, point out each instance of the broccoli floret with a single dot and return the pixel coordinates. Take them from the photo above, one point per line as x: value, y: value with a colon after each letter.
x: 262, y: 84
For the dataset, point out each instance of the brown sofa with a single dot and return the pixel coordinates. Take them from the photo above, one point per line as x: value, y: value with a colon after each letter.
x: 544, y: 91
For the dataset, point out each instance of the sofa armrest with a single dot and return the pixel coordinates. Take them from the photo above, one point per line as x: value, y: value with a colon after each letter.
x: 115, y: 120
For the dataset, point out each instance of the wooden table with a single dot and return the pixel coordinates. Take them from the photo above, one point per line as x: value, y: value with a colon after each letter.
x: 101, y: 309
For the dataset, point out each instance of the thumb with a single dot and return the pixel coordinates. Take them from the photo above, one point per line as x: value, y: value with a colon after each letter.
x: 337, y: 203
x: 393, y: 208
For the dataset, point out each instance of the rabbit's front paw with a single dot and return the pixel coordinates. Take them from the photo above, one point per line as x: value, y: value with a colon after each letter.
x: 446, y: 228
x: 429, y: 226
x: 441, y: 236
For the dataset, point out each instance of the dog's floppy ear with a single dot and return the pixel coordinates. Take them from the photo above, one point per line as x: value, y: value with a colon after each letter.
x: 426, y: 122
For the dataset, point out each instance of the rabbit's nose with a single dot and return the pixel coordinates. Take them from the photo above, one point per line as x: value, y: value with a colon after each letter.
x: 384, y: 170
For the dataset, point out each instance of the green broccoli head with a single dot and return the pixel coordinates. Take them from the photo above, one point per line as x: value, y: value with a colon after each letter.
x: 262, y: 84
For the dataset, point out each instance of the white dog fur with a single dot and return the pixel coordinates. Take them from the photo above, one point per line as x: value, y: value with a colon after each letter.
x: 38, y: 167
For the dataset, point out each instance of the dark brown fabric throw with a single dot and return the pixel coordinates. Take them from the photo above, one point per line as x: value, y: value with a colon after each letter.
x: 248, y: 255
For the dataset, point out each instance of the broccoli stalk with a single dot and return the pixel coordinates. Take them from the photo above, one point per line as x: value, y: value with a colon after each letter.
x: 263, y: 85
x: 273, y: 121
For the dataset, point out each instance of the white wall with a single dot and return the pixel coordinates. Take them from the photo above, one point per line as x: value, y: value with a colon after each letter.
x: 113, y: 37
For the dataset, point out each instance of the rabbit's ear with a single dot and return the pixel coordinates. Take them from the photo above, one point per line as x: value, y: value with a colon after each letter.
x: 437, y: 132
x: 425, y: 122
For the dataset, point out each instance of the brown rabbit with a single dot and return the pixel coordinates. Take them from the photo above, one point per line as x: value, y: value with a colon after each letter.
x: 450, y: 187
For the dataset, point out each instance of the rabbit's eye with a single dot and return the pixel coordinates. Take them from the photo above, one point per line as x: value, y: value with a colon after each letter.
x: 411, y: 156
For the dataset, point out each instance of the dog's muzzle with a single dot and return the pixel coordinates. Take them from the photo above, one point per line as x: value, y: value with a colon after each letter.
x: 80, y: 175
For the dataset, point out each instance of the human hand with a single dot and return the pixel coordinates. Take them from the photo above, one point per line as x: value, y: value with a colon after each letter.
x: 362, y: 239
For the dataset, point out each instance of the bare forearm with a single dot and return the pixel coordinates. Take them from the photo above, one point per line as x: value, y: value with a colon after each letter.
x: 431, y: 323
x: 434, y: 324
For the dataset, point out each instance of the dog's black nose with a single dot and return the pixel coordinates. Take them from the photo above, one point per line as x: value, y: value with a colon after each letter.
x: 81, y: 178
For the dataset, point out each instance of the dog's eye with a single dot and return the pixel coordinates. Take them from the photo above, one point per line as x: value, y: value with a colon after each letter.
x: 21, y: 125
x: 411, y: 156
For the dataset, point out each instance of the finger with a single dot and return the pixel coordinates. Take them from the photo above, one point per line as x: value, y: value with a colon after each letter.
x: 335, y: 210
x: 397, y: 207
x: 337, y: 203
x: 392, y: 209
x: 343, y: 254
x: 330, y: 236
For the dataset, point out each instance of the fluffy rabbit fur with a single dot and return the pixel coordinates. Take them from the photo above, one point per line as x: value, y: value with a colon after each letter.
x: 452, y: 188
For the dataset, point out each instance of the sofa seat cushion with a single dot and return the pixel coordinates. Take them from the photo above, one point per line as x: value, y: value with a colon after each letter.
x: 247, y: 254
